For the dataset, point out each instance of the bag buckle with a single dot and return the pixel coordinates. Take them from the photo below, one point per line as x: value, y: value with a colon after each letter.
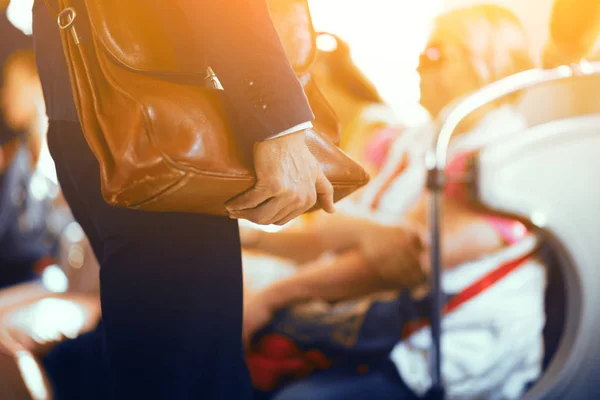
x: 65, y: 20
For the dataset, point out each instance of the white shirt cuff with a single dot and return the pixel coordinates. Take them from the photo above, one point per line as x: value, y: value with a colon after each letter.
x: 293, y: 129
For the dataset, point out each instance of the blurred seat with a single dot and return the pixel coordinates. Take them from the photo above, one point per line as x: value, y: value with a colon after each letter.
x: 561, y: 99
x: 548, y: 177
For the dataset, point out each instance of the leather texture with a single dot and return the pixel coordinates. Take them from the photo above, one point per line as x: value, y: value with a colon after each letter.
x: 326, y: 121
x: 160, y: 135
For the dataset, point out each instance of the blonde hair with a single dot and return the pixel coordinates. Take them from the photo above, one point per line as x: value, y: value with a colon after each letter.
x: 492, y: 36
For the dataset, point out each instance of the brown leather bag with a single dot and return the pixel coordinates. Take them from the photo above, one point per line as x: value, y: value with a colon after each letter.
x: 160, y: 135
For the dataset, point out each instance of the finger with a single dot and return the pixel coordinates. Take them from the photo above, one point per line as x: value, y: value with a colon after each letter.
x: 263, y: 214
x: 294, y: 210
x: 325, y: 194
x: 287, y: 218
x: 284, y: 212
x: 248, y: 200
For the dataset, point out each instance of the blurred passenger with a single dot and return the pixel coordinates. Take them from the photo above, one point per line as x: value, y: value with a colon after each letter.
x: 574, y: 30
x: 22, y: 100
x: 494, y: 283
x: 12, y: 39
x: 360, y: 108
x: 27, y: 245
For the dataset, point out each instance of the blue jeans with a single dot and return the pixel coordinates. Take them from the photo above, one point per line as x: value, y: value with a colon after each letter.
x: 346, y: 383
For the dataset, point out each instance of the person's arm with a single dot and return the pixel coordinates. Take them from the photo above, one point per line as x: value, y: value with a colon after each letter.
x: 354, y: 273
x: 466, y: 235
x: 330, y: 233
x: 344, y: 277
x: 301, y: 246
x: 240, y: 43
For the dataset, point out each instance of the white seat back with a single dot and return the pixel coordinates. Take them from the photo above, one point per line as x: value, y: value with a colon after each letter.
x: 550, y: 175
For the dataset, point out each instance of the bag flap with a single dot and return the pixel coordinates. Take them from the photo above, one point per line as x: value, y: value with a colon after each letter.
x: 143, y: 38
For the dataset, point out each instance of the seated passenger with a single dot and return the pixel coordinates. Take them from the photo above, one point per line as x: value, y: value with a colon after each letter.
x: 355, y: 100
x: 494, y: 313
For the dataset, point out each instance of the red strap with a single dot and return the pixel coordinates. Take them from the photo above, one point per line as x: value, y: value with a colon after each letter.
x: 400, y: 168
x: 467, y: 294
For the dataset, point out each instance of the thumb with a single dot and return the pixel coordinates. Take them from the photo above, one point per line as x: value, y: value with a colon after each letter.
x: 325, y: 193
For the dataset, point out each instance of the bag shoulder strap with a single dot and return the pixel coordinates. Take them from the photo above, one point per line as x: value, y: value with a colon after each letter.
x: 51, y: 9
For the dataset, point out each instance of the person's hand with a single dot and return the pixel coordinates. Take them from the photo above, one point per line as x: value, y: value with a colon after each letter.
x: 289, y: 181
x: 258, y: 312
x: 399, y: 254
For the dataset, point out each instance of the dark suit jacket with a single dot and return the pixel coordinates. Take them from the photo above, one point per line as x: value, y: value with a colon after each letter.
x: 238, y: 40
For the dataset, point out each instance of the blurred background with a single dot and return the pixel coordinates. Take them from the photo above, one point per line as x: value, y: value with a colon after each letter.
x: 521, y: 210
x: 389, y: 63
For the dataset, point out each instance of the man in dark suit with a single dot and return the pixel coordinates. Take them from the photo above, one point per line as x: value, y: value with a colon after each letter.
x: 171, y: 284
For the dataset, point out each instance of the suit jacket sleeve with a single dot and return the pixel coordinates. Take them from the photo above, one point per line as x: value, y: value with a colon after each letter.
x: 240, y: 43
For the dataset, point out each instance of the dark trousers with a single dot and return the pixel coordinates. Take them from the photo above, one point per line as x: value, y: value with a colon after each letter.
x: 171, y: 290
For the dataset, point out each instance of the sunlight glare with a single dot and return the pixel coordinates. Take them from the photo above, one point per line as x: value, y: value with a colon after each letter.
x: 385, y: 37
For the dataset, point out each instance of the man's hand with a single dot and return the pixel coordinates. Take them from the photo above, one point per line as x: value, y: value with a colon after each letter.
x: 289, y: 181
